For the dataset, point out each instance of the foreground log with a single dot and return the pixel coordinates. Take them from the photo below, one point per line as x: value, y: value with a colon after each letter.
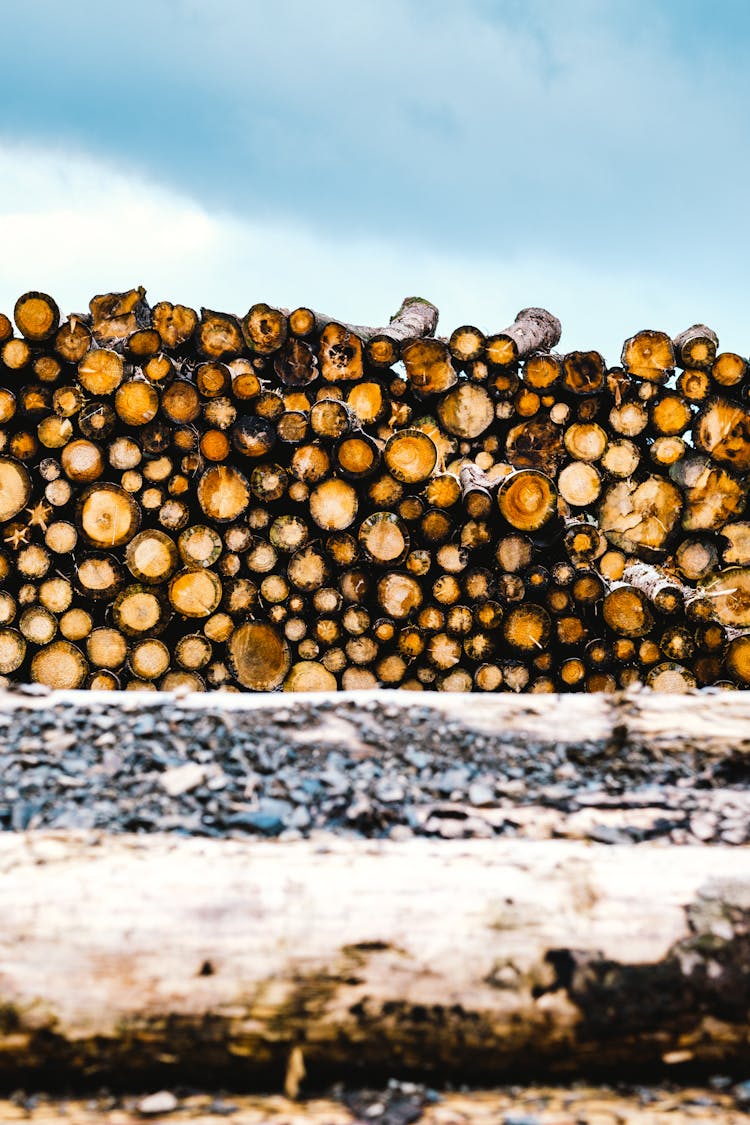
x: 205, y: 957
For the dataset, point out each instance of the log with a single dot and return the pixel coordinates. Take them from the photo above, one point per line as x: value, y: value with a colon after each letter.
x: 214, y: 958
x: 415, y: 318
x: 533, y: 330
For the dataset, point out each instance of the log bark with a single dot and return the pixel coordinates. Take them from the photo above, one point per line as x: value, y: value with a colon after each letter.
x: 533, y: 330
x: 214, y: 957
x: 415, y: 318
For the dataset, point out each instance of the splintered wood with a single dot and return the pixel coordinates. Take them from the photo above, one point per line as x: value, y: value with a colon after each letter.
x: 280, y: 500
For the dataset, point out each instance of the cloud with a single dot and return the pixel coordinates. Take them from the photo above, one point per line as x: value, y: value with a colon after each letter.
x: 74, y: 226
x: 593, y: 131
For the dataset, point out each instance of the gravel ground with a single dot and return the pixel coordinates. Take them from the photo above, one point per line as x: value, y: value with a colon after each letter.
x: 721, y: 1102
x: 353, y: 768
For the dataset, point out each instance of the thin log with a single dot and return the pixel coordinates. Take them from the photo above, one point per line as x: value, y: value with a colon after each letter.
x: 195, y: 956
x: 415, y: 318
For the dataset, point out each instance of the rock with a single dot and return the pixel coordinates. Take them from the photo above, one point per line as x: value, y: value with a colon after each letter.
x: 182, y: 779
x: 163, y: 1101
x: 703, y: 826
x: 300, y: 818
x: 481, y: 794
x: 389, y: 790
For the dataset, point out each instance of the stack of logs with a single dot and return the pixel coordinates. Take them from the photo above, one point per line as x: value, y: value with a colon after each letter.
x: 207, y: 501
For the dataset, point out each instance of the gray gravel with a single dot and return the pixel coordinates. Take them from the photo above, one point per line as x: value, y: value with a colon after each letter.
x: 322, y: 766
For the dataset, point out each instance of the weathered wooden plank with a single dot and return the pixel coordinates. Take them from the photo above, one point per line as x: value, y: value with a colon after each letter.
x: 714, y: 723
x: 209, y: 957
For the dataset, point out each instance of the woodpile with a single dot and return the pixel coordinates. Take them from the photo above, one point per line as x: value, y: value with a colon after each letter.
x: 201, y: 500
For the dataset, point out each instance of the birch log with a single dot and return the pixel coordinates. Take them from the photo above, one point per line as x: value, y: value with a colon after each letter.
x: 217, y: 959
x: 711, y: 724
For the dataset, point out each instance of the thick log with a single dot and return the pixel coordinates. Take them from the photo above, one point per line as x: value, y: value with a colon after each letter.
x: 415, y: 318
x: 215, y: 957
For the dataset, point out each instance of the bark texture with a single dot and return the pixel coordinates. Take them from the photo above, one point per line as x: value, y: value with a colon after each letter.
x: 468, y: 958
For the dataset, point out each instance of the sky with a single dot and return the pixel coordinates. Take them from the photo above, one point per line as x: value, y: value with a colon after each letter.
x: 589, y: 156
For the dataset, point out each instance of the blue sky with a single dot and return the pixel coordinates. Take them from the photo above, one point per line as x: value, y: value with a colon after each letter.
x: 587, y: 155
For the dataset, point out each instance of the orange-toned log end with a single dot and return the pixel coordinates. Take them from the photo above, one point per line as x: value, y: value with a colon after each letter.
x: 627, y: 612
x: 536, y: 444
x: 218, y: 335
x: 737, y: 660
x: 384, y: 538
x: 37, y: 316
x: 541, y: 372
x: 410, y: 456
x: 399, y: 595
x: 100, y: 372
x: 357, y: 456
x: 639, y: 517
x: 649, y: 355
x: 149, y: 659
x: 309, y: 675
x: 736, y: 536
x: 466, y: 344
x: 72, y: 340
x: 527, y: 500
x: 501, y: 350
x: 428, y: 366
x: 264, y: 328
x: 223, y: 493
x: 712, y: 495
x: 729, y: 369
x: 382, y: 351
x: 108, y: 516
x: 142, y: 344
x: 195, y: 593
x: 728, y: 594
x: 138, y: 610
x: 333, y: 505
x: 671, y: 677
x: 466, y: 411
x: 15, y: 488
x: 302, y: 322
x: 296, y: 364
x: 696, y: 347
x: 258, y: 656
x: 136, y: 402
x: 583, y: 373
x: 115, y: 316
x: 722, y: 429
x: 340, y: 354
x: 174, y: 323
x: 59, y: 665
x: 527, y: 628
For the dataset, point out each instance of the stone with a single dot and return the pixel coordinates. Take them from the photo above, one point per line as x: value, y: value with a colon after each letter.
x: 182, y: 779
x: 152, y: 1105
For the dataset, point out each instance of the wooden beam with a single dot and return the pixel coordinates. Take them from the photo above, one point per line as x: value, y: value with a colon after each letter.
x: 711, y: 723
x: 132, y: 956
